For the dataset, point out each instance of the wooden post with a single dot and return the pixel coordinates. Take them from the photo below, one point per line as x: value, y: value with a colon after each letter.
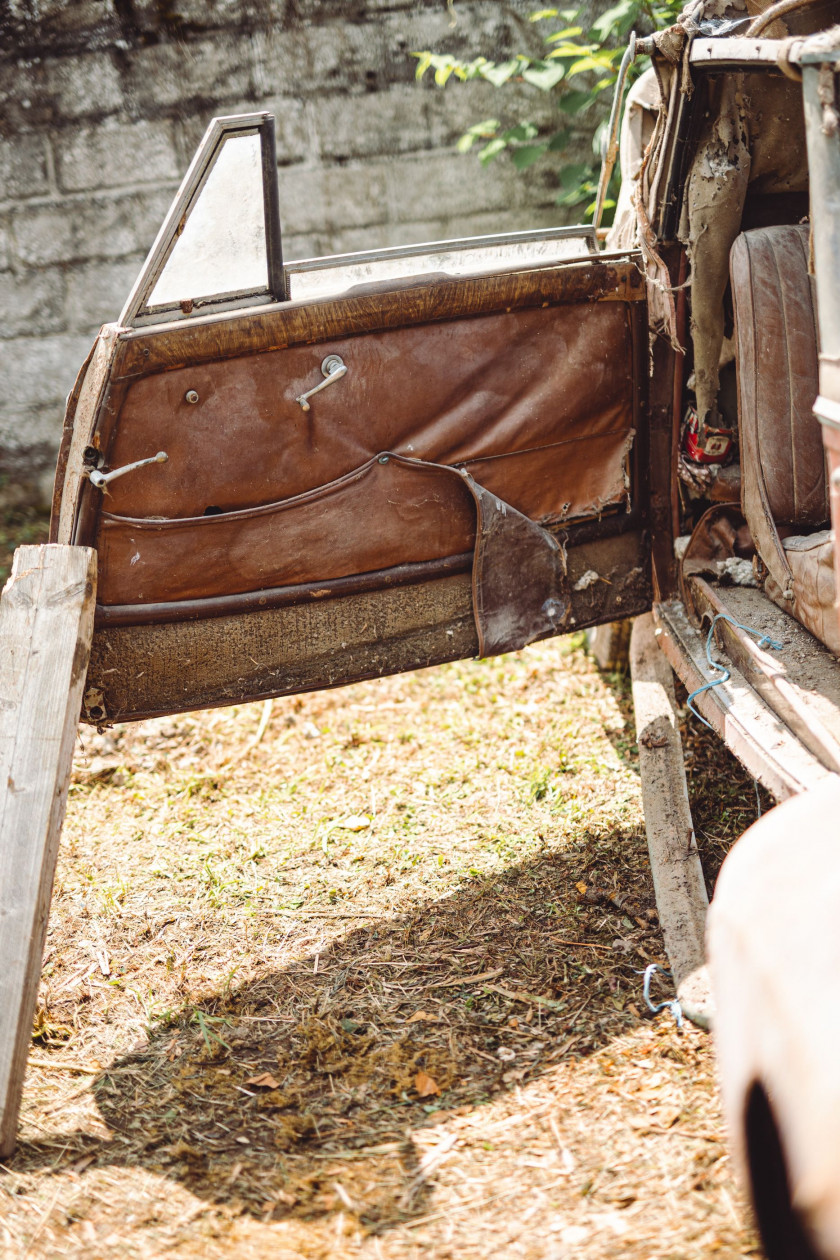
x: 46, y: 625
x: 678, y: 883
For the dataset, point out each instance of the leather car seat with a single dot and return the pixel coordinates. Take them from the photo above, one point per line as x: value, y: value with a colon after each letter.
x: 784, y: 486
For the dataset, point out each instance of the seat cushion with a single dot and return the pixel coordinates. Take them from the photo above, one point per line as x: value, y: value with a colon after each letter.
x: 811, y: 559
x: 783, y: 464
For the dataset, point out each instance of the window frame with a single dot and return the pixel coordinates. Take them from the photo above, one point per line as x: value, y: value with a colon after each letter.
x: 137, y: 312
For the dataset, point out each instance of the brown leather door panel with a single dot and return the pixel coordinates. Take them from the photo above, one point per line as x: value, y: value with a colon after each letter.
x: 477, y: 480
x: 555, y: 382
x: 386, y: 513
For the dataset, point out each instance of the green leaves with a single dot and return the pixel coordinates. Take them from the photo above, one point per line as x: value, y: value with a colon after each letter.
x: 616, y: 22
x: 544, y: 75
x: 445, y: 66
x: 568, y: 33
x: 580, y: 65
x: 514, y: 138
x: 527, y: 154
x: 478, y: 131
x: 497, y: 74
x: 577, y: 184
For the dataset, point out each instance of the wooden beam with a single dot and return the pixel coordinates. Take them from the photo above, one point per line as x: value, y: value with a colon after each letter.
x: 800, y: 683
x: 681, y: 898
x: 757, y: 736
x: 46, y: 626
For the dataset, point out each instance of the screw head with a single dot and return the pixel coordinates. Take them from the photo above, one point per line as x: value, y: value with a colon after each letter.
x: 191, y: 396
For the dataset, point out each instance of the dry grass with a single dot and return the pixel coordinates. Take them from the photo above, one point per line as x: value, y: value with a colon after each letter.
x: 357, y: 975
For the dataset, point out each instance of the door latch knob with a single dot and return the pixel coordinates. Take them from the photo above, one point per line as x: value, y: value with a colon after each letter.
x: 333, y: 368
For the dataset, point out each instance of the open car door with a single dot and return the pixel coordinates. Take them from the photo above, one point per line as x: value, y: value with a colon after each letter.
x: 300, y: 475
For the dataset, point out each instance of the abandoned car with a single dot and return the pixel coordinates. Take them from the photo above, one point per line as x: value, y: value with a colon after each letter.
x: 297, y: 475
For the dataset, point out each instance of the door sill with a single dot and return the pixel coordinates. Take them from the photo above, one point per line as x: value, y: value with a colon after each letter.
x: 754, y: 733
x: 800, y: 683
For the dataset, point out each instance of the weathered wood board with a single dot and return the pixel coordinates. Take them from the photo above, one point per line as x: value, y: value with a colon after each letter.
x: 46, y: 626
x: 681, y: 898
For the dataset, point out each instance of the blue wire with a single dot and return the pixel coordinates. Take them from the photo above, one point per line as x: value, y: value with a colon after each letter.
x: 764, y: 640
x: 670, y: 1004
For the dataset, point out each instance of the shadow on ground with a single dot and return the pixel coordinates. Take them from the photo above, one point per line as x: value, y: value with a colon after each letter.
x: 263, y: 1095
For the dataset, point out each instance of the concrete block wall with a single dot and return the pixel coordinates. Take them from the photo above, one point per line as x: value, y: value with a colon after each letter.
x: 102, y: 103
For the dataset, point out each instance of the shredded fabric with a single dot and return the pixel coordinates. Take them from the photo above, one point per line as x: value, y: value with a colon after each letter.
x: 764, y: 640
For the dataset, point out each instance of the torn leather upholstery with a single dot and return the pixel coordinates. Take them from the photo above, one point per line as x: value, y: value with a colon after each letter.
x: 441, y: 440
x: 393, y: 510
x: 811, y: 561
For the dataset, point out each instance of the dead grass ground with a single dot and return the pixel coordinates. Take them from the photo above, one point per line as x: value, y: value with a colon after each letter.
x: 357, y: 974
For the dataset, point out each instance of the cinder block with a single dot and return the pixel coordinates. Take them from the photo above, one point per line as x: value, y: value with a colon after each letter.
x: 452, y: 110
x: 96, y: 292
x: 59, y: 26
x: 486, y: 30
x: 25, y: 103
x: 112, y: 155
x: 291, y: 127
x: 371, y: 123
x: 296, y: 246
x: 184, y: 73
x: 348, y: 55
x: 351, y: 240
x: 283, y: 61
x: 29, y: 440
x: 40, y: 371
x: 432, y: 185
x: 5, y: 244
x: 48, y: 92
x: 525, y: 219
x: 83, y: 86
x: 31, y: 302
x: 185, y: 16
x: 23, y: 167
x: 444, y: 228
x: 78, y: 230
x: 321, y: 200
x: 44, y: 235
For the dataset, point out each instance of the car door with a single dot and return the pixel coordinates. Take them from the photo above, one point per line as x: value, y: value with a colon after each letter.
x: 299, y: 475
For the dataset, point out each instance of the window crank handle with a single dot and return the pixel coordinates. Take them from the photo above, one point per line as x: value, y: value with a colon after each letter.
x: 333, y: 368
x: 101, y: 479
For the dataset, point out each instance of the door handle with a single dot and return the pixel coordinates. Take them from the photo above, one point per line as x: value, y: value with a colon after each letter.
x: 100, y: 479
x: 333, y: 368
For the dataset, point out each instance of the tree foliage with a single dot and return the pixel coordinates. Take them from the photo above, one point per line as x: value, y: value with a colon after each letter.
x: 578, y: 67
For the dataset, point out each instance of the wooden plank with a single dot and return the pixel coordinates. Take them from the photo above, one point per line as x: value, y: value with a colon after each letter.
x: 681, y: 898
x: 749, y: 728
x: 46, y: 624
x: 86, y: 407
x: 801, y: 683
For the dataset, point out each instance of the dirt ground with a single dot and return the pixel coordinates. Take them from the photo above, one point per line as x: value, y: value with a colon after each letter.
x: 358, y: 974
